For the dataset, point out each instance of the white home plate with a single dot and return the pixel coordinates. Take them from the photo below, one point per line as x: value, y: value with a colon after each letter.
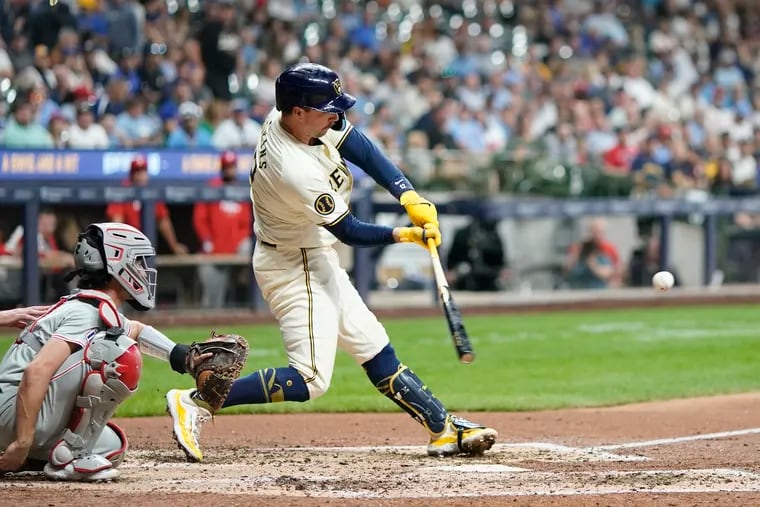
x: 480, y: 468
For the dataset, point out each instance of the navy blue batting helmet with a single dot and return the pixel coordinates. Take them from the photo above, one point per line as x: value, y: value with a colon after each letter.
x: 311, y: 85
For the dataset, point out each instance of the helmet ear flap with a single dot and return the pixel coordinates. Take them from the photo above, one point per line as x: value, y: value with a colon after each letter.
x: 341, y: 123
x: 90, y: 253
x: 96, y: 240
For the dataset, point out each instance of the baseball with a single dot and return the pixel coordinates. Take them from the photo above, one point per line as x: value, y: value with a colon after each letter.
x: 663, y: 280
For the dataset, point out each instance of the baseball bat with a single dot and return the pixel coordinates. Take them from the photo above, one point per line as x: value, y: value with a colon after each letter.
x: 453, y: 317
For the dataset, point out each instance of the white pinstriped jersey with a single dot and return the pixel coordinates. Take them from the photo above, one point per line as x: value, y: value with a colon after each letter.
x: 296, y: 189
x: 70, y: 320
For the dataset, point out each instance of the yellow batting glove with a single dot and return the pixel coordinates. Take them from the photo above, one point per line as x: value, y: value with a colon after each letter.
x: 419, y: 235
x: 420, y: 210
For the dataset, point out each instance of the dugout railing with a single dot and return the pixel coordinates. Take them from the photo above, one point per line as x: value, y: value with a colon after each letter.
x: 366, y: 204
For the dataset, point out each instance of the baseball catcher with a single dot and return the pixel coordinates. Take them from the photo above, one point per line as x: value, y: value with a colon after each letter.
x: 73, y: 365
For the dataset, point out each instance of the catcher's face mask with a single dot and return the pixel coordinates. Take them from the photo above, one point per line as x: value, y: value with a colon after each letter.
x: 125, y: 250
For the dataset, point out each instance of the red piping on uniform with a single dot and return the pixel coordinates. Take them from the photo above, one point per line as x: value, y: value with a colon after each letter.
x: 50, y: 455
x: 122, y: 436
x: 64, y: 372
x: 59, y: 303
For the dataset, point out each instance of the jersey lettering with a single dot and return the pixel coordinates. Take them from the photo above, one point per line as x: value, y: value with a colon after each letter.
x: 337, y: 178
x: 259, y: 158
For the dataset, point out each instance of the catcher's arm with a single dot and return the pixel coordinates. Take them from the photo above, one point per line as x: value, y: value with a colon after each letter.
x: 156, y: 344
x: 214, y: 363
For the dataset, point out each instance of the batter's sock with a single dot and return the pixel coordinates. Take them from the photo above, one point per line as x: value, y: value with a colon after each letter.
x: 383, y: 365
x: 268, y: 385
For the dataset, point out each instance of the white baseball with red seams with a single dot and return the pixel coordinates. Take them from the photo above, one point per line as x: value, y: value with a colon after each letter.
x: 663, y: 280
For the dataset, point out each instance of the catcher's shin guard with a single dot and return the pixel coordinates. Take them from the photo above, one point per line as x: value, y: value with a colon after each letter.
x: 116, y: 364
x: 407, y: 391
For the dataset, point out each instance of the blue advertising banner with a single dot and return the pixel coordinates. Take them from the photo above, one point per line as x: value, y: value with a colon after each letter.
x: 71, y: 165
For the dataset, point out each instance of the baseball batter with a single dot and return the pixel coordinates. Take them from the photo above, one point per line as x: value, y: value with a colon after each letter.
x: 301, y: 187
x: 77, y: 360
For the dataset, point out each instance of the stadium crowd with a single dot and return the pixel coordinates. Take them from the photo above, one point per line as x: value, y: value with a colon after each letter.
x: 663, y: 89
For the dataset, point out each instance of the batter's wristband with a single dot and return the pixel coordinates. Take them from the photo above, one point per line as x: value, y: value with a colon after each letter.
x: 177, y: 358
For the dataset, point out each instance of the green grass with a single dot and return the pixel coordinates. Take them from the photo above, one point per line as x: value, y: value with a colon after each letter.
x: 528, y: 362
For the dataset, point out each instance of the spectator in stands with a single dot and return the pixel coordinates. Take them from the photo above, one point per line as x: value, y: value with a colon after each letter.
x: 744, y: 171
x: 687, y: 170
x: 85, y: 134
x: 54, y: 261
x: 22, y: 131
x: 42, y: 65
x: 593, y: 263
x: 589, y: 67
x: 19, y: 51
x: 58, y: 126
x: 135, y: 128
x: 222, y: 227
x: 561, y: 146
x: 719, y: 176
x: 115, y: 138
x: 129, y: 212
x: 433, y: 125
x: 650, y: 176
x: 618, y: 159
x: 188, y: 135
x: 219, y: 46
x: 151, y: 72
x: 238, y: 131
x: 123, y: 24
x: 114, y: 100
x: 476, y: 260
x: 79, y: 74
x: 128, y: 61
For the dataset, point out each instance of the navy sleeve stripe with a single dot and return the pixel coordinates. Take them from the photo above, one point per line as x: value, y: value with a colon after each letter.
x: 338, y: 219
x: 358, y: 149
x: 352, y: 231
x: 345, y: 135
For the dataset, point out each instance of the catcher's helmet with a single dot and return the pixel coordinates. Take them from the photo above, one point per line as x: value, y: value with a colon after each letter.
x: 311, y: 85
x: 121, y: 251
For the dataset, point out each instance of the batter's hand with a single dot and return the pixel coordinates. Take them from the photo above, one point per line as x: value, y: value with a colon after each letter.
x: 21, y: 317
x: 418, y: 235
x: 14, y: 457
x: 420, y: 210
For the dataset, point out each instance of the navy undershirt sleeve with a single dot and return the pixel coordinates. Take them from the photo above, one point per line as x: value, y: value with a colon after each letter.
x: 358, y: 149
x: 352, y: 231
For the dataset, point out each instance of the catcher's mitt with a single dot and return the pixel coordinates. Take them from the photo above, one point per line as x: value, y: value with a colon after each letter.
x: 214, y: 375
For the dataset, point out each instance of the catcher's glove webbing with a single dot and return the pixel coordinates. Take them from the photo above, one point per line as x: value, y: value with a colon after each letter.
x: 214, y: 376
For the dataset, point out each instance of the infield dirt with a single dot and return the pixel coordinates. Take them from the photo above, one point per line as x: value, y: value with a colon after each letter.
x: 543, y: 458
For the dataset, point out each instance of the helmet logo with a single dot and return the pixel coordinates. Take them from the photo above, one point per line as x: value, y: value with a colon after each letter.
x: 337, y: 88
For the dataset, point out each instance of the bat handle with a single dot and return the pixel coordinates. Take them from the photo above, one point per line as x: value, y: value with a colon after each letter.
x: 432, y: 248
